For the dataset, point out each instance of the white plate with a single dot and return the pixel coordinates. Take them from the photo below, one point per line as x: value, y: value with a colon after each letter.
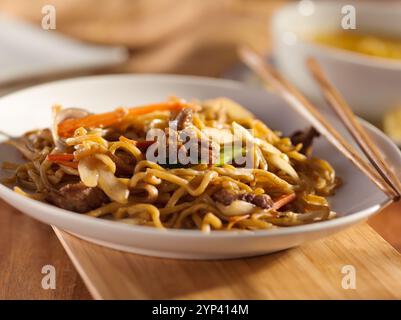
x: 28, y: 51
x: 356, y: 200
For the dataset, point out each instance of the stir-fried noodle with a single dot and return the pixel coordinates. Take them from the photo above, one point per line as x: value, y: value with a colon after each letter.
x: 207, y: 165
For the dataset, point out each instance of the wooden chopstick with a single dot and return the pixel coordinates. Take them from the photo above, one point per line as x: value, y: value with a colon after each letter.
x: 344, y: 112
x: 296, y: 100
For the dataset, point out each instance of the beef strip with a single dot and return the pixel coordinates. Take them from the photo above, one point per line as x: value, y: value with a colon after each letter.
x: 184, y: 118
x: 78, y: 198
x: 305, y: 137
x: 124, y: 162
x: 260, y: 200
x: 226, y: 197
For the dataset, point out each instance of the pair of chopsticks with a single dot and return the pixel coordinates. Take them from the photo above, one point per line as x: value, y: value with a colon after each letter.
x: 378, y: 170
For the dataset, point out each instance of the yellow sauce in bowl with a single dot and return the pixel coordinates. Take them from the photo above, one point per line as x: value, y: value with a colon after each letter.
x: 392, y: 124
x: 376, y: 46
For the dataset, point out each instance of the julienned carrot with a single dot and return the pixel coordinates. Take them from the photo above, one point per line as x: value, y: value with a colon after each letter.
x: 55, y: 157
x: 65, y: 159
x: 67, y: 127
x: 283, y: 200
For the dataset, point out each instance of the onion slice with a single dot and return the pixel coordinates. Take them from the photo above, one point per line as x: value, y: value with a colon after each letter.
x: 88, y: 172
x: 236, y: 208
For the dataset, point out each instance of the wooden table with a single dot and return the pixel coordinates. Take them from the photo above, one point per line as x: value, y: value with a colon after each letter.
x: 194, y: 47
x: 312, y: 271
x: 27, y: 245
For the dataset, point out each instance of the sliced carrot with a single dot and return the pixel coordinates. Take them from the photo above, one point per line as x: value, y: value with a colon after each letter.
x: 55, y: 157
x: 68, y: 126
x: 163, y: 106
x: 65, y: 159
x: 283, y: 200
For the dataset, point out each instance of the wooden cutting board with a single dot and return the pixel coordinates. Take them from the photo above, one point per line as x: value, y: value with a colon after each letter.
x: 317, y: 270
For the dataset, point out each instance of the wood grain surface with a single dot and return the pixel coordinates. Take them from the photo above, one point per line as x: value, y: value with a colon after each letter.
x: 27, y: 245
x: 312, y: 271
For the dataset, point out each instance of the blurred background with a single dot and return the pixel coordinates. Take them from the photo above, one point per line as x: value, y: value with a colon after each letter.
x: 169, y: 36
x: 42, y: 40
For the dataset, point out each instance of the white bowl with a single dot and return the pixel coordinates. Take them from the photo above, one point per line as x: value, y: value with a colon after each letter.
x: 356, y: 200
x: 371, y: 85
